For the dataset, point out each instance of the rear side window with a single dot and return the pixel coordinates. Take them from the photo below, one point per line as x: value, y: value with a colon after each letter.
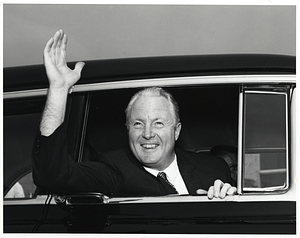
x: 265, y: 161
x: 21, y: 120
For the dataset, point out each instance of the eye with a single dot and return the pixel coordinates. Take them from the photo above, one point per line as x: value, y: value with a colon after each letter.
x: 158, y: 124
x: 137, y: 125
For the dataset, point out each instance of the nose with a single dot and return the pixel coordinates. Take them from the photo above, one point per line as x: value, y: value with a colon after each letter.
x: 148, y: 132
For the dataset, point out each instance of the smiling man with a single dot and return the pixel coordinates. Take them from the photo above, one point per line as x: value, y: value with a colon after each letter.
x: 153, y: 128
x: 151, y: 166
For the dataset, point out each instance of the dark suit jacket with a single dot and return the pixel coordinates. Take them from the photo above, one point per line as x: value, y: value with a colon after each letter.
x: 118, y: 173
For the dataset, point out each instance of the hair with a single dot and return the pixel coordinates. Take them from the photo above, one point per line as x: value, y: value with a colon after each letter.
x: 154, y: 91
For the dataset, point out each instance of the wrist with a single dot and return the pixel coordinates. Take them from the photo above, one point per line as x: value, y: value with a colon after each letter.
x: 62, y: 90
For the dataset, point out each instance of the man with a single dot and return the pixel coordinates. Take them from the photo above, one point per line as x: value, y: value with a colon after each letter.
x: 152, y: 166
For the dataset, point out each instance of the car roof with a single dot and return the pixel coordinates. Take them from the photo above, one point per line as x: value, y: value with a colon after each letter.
x: 110, y: 70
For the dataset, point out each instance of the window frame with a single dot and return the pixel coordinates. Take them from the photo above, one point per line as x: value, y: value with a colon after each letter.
x: 261, y: 83
x: 286, y: 90
x: 241, y: 80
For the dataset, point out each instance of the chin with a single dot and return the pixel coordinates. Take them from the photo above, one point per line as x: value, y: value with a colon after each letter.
x: 149, y: 160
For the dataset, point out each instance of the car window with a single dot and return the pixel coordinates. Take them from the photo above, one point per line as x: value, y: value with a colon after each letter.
x: 265, y: 140
x: 209, y: 117
x: 21, y: 120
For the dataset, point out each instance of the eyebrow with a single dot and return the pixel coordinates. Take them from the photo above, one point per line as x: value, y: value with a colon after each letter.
x: 156, y: 119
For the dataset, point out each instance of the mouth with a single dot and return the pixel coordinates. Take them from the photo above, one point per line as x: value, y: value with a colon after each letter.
x: 149, y: 146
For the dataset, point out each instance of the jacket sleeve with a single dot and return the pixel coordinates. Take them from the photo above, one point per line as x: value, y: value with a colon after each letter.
x: 55, y: 171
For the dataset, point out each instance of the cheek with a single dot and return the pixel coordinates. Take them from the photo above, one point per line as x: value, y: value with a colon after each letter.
x: 133, y: 136
x: 167, y: 137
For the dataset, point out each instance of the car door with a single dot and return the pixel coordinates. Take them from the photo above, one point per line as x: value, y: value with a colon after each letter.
x: 256, y: 119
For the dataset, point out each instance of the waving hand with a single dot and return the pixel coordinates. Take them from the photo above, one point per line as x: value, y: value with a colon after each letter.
x: 61, y: 79
x: 59, y: 74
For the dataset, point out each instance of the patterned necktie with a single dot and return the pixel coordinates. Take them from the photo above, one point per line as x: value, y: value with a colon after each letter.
x: 163, y: 176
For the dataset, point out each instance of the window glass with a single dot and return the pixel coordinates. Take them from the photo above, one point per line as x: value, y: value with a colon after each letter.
x: 265, y: 140
x: 24, y: 188
x: 21, y: 120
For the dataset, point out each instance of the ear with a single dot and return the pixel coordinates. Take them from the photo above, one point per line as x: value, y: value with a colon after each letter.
x: 127, y: 127
x: 177, y: 130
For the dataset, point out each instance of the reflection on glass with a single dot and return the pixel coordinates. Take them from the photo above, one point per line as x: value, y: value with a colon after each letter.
x: 265, y: 158
x: 16, y: 191
x: 24, y: 188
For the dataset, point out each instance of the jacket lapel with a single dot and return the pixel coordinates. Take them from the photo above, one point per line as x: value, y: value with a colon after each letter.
x: 145, y: 181
x: 186, y: 169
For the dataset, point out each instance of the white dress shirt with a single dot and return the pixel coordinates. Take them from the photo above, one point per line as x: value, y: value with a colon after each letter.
x: 173, y: 175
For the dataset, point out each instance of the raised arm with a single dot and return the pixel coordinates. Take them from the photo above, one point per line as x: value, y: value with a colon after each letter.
x: 61, y: 79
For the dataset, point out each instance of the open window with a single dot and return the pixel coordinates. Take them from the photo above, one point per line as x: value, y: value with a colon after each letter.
x: 209, y: 117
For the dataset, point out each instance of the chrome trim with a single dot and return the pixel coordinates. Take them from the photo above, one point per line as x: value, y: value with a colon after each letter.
x: 255, y: 149
x: 272, y: 171
x: 25, y: 93
x: 84, y: 126
x: 267, y: 190
x: 86, y: 199
x: 39, y: 200
x: 287, y: 136
x: 264, y: 92
x: 293, y: 135
x: 174, y: 81
x: 240, y: 143
x: 283, y: 188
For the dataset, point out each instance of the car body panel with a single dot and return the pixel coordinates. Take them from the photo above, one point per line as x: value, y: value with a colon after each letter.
x: 113, y: 70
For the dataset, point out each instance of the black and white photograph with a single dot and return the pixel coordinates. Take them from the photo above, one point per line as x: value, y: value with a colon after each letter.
x: 150, y: 119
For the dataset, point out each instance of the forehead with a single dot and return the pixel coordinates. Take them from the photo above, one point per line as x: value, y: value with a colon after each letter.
x: 151, y: 105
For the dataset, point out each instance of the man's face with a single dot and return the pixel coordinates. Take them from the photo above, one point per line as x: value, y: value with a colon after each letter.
x: 153, y: 131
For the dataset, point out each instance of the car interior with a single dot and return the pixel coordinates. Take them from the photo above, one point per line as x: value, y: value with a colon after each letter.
x: 209, y: 117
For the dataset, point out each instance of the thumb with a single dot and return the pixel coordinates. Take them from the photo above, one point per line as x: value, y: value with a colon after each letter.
x: 201, y: 191
x: 78, y: 67
x: 231, y: 191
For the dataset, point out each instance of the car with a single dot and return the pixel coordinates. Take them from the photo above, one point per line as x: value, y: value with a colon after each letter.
x: 238, y: 107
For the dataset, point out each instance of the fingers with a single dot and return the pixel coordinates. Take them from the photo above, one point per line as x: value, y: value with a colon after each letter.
x: 224, y: 190
x: 210, y: 192
x: 48, y: 45
x: 57, y: 39
x: 58, y: 46
x: 64, y: 42
x: 61, y: 44
x: 220, y: 190
x: 201, y: 191
x: 214, y: 191
x: 56, y: 43
x: 55, y: 49
x: 231, y: 191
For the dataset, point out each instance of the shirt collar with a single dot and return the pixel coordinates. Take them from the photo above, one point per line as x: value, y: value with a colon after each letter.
x: 170, y: 170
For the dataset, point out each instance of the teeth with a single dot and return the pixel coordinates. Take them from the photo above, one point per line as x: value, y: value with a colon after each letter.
x: 149, y: 146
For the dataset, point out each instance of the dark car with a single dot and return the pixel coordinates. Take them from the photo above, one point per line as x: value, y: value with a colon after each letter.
x: 238, y: 107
